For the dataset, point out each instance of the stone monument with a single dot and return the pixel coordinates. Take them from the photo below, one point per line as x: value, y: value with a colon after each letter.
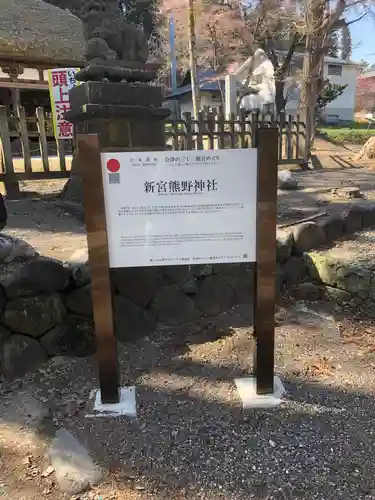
x: 116, y: 98
x: 117, y: 102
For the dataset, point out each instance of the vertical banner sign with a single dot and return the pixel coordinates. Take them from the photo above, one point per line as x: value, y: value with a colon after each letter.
x: 61, y: 80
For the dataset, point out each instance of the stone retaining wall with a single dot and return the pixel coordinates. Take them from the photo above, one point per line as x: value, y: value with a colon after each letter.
x: 46, y: 309
x: 313, y: 275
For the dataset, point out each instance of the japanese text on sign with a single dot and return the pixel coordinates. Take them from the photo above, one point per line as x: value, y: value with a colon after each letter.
x: 61, y: 80
x: 180, y: 187
x: 163, y: 209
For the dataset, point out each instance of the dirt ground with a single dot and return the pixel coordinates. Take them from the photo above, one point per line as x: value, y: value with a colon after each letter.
x: 191, y: 439
x: 41, y: 219
x: 50, y: 228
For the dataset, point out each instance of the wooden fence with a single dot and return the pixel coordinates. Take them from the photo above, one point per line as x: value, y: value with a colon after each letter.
x: 30, y: 152
x: 213, y: 131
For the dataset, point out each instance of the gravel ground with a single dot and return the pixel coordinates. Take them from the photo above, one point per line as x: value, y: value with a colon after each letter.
x: 191, y: 438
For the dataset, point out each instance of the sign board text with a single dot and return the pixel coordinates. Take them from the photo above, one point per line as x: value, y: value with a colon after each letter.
x: 180, y: 208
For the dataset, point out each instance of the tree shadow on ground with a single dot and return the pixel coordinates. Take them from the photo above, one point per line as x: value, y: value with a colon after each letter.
x: 44, y: 215
x: 191, y: 438
x: 317, y: 445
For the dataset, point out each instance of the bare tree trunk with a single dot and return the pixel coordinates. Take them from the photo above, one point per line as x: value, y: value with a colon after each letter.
x: 311, y: 72
x: 307, y: 97
x: 319, y: 22
x: 281, y: 68
x: 193, y: 61
x: 280, y: 99
x: 312, y: 81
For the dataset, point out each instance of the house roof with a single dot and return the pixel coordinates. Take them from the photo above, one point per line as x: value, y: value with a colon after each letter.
x: 329, y: 59
x: 239, y: 69
x: 36, y: 30
x: 336, y: 60
x: 368, y: 74
x: 234, y: 67
x: 208, y: 82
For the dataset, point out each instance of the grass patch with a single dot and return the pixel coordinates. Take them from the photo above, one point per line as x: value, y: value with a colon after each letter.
x: 347, y: 134
x: 357, y: 125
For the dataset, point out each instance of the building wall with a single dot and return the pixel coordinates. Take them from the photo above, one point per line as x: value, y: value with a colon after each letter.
x: 263, y: 81
x: 212, y: 100
x: 186, y: 105
x: 365, y: 103
x: 344, y: 105
x: 365, y: 98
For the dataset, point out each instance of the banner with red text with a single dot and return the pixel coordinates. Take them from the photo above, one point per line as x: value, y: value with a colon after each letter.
x: 61, y: 80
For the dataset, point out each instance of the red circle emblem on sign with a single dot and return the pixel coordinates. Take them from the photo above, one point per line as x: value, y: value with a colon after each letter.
x: 113, y: 165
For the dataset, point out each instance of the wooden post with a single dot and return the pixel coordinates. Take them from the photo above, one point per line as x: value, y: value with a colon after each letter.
x: 281, y: 134
x: 11, y: 184
x: 254, y: 127
x: 289, y: 138
x: 174, y: 131
x: 303, y: 146
x: 210, y: 130
x: 61, y: 154
x: 232, y: 130
x: 91, y: 170
x: 24, y: 135
x: 298, y: 131
x: 41, y: 124
x: 220, y: 130
x: 6, y: 160
x: 200, y: 129
x: 242, y: 119
x: 189, y: 132
x: 265, y: 265
x: 230, y: 95
x: 16, y: 99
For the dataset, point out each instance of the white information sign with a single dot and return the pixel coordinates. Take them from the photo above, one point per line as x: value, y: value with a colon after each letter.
x: 180, y: 208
